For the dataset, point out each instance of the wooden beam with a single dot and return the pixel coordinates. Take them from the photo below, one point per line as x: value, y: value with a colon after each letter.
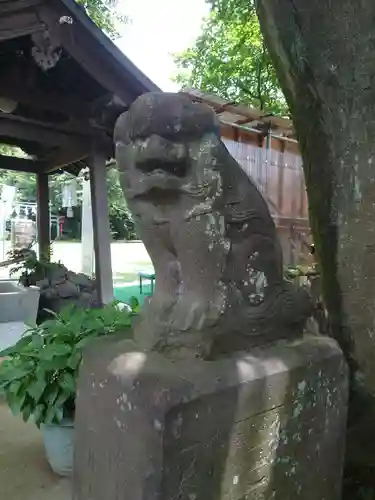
x: 17, y: 24
x: 101, y: 228
x: 15, y: 84
x: 65, y: 157
x: 248, y: 122
x: 75, y: 152
x: 276, y: 122
x: 72, y: 129
x: 16, y: 5
x: 20, y: 164
x: 43, y: 217
x: 40, y: 132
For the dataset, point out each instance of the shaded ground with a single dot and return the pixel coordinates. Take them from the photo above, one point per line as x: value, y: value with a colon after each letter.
x: 24, y: 472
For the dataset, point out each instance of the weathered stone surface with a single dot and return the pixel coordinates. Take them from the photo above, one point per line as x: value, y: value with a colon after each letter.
x: 67, y: 289
x: 218, y: 262
x: 80, y: 279
x: 270, y: 425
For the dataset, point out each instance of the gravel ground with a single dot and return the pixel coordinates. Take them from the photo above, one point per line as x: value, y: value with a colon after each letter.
x: 24, y: 472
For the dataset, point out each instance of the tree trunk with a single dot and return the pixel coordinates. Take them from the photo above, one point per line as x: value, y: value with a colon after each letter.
x: 323, y: 51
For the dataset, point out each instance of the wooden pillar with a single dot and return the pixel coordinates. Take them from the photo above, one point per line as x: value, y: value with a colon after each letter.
x: 87, y: 233
x: 101, y: 228
x: 43, y: 217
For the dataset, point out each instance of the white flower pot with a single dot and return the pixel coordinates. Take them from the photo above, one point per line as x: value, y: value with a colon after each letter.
x: 58, y: 443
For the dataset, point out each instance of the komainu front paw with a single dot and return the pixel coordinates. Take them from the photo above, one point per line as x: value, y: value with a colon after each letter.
x: 195, y: 312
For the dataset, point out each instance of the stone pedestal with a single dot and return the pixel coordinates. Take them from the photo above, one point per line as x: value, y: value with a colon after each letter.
x: 270, y: 425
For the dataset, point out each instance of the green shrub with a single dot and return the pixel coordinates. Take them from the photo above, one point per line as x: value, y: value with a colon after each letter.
x: 39, y: 378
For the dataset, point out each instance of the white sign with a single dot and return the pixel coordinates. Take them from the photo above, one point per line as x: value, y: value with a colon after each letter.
x: 69, y: 194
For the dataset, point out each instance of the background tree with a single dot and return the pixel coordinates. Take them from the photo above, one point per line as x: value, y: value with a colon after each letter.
x: 323, y: 57
x: 230, y: 59
x: 120, y: 217
x: 322, y: 53
x: 105, y: 15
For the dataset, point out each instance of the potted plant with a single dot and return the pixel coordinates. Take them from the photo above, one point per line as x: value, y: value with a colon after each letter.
x: 38, y: 378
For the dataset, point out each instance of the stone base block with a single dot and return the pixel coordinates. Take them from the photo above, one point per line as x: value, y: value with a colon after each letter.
x: 18, y: 303
x: 11, y: 333
x: 270, y: 425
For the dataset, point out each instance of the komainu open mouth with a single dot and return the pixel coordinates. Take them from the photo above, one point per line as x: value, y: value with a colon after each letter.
x: 176, y: 168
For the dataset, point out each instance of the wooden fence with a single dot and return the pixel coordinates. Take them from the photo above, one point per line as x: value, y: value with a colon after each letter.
x: 278, y: 173
x: 266, y: 147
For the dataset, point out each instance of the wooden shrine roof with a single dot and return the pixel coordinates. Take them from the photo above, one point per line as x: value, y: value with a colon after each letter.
x: 67, y: 81
x: 237, y: 114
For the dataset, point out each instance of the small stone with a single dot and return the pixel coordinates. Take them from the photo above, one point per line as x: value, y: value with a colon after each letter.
x: 67, y: 289
x: 80, y: 279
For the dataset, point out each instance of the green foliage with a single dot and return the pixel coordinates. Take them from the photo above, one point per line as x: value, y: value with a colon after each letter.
x: 104, y: 14
x: 26, y: 182
x: 32, y: 270
x: 121, y: 220
x: 134, y: 304
x: 120, y: 217
x: 39, y: 378
x: 230, y: 59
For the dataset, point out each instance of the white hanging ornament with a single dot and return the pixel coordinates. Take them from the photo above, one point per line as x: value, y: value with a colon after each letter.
x: 69, y: 197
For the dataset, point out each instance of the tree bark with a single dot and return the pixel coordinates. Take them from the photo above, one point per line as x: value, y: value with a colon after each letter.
x: 323, y: 51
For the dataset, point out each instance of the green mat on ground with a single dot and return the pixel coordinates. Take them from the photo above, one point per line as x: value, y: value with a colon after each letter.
x: 125, y: 293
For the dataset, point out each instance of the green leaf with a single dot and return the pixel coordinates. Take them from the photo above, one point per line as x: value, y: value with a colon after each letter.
x: 56, y: 364
x: 50, y: 415
x: 26, y: 413
x: 37, y: 341
x: 67, y: 382
x: 84, y: 342
x: 51, y: 394
x: 59, y: 415
x: 39, y: 414
x: 63, y: 398
x: 9, y: 373
x: 134, y: 304
x: 53, y: 415
x: 17, y: 348
x: 75, y: 360
x: 15, y: 401
x: 51, y: 351
x: 15, y: 387
x: 36, y: 387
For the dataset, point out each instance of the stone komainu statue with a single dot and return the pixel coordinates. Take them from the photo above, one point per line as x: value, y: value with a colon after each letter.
x: 217, y: 258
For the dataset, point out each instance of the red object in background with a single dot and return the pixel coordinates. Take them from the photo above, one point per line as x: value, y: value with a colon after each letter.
x: 61, y: 224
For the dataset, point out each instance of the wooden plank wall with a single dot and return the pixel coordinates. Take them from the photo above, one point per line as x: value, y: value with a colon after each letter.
x: 279, y: 175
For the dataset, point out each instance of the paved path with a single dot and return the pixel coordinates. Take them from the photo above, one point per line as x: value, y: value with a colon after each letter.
x: 24, y: 472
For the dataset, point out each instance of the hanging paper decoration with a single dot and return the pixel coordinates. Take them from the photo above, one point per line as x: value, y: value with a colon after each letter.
x: 69, y: 196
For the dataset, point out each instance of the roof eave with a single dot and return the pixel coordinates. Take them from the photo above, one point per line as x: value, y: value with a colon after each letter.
x: 143, y: 82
